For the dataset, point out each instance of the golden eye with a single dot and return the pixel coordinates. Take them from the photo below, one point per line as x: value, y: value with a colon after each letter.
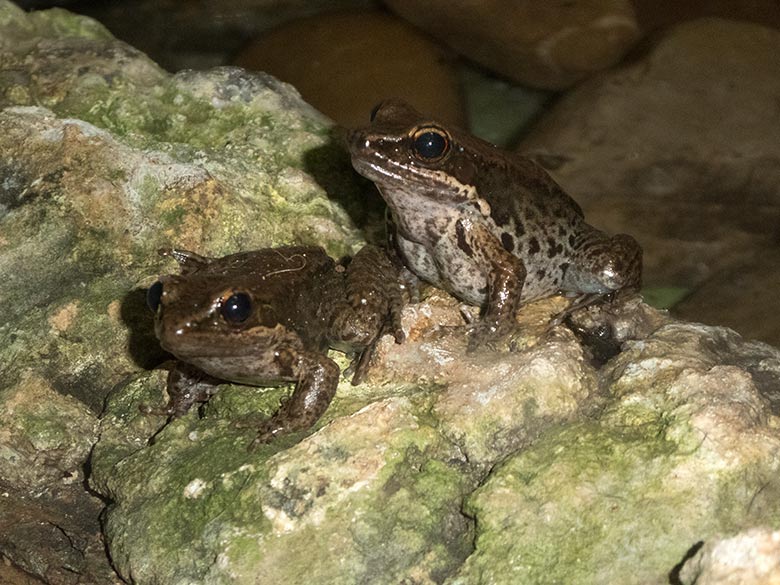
x: 431, y: 143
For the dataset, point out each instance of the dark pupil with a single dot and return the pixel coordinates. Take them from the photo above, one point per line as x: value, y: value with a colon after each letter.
x: 237, y: 308
x: 430, y: 144
x: 154, y: 295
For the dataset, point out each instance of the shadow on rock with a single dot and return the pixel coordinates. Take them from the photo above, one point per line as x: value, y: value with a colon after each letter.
x: 330, y: 166
x: 142, y: 345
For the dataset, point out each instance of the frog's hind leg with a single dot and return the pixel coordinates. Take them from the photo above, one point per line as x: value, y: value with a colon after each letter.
x: 580, y: 302
x: 373, y: 303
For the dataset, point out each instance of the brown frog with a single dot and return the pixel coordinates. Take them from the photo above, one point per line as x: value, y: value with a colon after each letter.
x: 267, y: 317
x: 489, y: 226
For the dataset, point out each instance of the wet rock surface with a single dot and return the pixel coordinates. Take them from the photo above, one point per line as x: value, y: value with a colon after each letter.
x: 679, y: 149
x: 445, y: 467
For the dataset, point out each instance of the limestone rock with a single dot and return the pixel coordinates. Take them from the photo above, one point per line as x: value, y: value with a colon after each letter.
x: 749, y: 558
x: 448, y: 466
x: 549, y: 45
x: 345, y: 64
x: 620, y: 498
x: 678, y: 149
x: 105, y: 157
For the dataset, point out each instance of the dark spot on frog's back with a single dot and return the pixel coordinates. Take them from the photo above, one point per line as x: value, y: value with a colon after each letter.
x: 460, y: 233
x: 501, y: 214
x: 533, y: 246
x: 507, y: 241
x: 554, y: 247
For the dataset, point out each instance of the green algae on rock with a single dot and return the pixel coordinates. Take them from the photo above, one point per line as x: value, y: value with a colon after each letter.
x: 375, y: 495
x: 688, y: 450
x: 106, y: 157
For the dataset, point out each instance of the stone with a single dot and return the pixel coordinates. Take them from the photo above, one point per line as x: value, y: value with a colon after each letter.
x: 621, y: 497
x: 748, y: 558
x: 106, y: 157
x: 550, y: 46
x: 499, y: 111
x: 678, y: 149
x: 657, y: 14
x: 740, y: 296
x: 446, y: 466
x: 50, y: 524
x: 345, y: 64
x: 178, y: 34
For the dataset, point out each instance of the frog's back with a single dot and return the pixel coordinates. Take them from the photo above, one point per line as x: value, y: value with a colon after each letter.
x: 533, y: 218
x: 271, y: 271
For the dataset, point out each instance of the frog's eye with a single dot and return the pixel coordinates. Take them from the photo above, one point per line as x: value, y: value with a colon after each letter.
x: 237, y: 308
x: 430, y: 143
x: 154, y: 296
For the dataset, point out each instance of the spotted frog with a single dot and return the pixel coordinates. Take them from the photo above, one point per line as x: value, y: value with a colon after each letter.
x: 267, y: 317
x: 489, y: 226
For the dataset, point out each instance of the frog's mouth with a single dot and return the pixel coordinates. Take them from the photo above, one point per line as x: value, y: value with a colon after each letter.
x: 369, y: 162
x: 188, y: 344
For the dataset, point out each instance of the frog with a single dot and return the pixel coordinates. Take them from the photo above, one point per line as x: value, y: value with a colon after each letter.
x: 268, y: 317
x: 487, y: 225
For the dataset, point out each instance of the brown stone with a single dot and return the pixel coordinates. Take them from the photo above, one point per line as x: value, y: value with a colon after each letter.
x: 544, y: 44
x: 344, y: 64
x: 743, y: 297
x: 655, y: 14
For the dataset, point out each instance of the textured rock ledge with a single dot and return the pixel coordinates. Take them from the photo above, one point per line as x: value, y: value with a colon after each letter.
x: 445, y: 467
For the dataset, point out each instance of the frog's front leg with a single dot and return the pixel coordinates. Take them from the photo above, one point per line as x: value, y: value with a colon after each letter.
x: 505, y: 275
x: 318, y: 378
x: 186, y: 386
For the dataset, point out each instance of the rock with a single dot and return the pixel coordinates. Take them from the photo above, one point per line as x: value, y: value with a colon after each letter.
x: 550, y: 46
x: 41, y: 425
x: 685, y: 448
x: 178, y: 34
x: 611, y: 473
x: 749, y: 558
x: 499, y: 111
x: 655, y: 14
x: 741, y: 296
x: 334, y: 61
x: 106, y: 158
x: 659, y: 149
x: 50, y: 523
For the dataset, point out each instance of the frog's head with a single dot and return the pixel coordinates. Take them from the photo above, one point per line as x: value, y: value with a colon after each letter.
x: 198, y: 313
x: 403, y: 149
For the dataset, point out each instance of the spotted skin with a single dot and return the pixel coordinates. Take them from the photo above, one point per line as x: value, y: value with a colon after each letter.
x: 487, y: 225
x: 302, y: 303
